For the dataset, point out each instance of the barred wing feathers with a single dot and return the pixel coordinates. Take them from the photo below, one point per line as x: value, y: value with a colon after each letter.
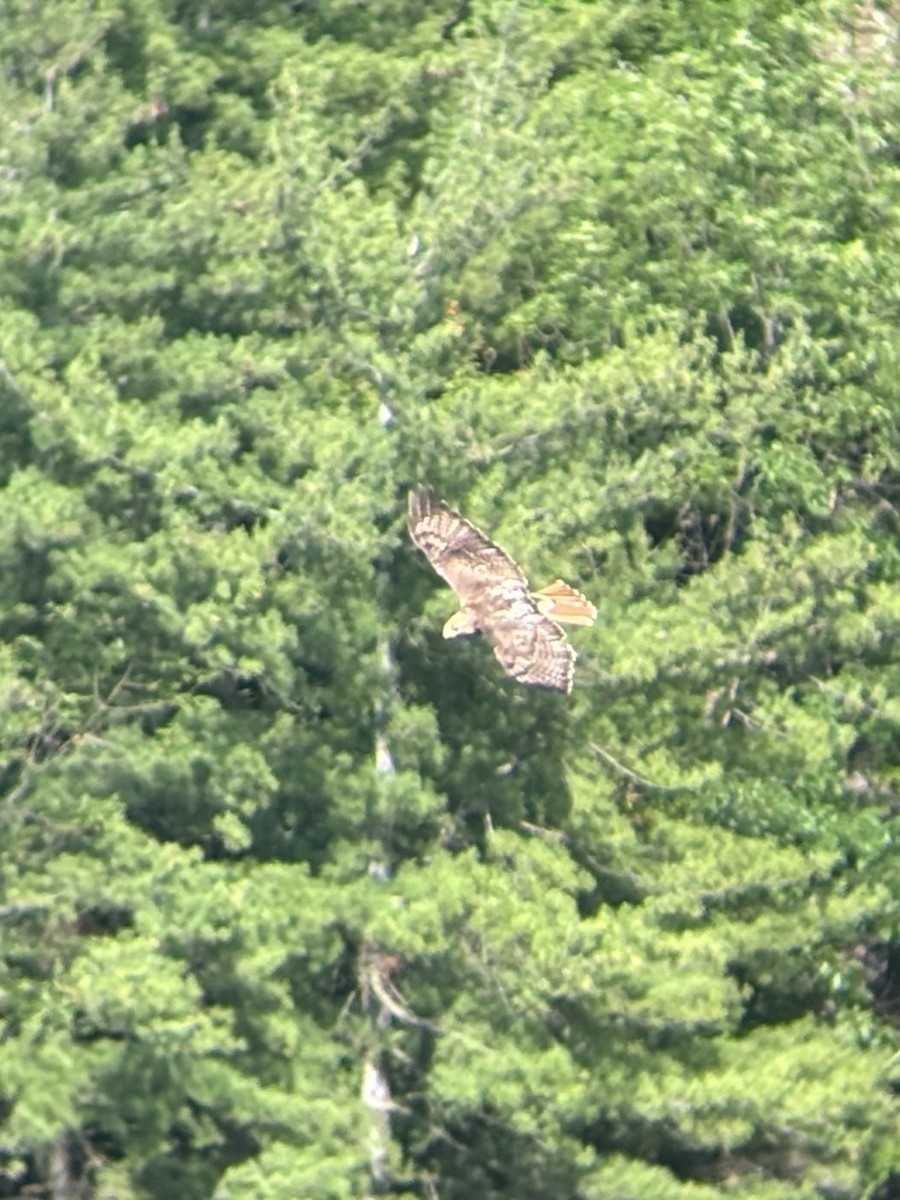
x: 532, y: 648
x: 460, y: 553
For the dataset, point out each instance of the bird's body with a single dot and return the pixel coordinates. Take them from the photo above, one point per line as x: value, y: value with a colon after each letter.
x: 522, y: 626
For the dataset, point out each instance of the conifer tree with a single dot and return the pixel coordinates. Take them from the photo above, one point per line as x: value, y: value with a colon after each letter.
x: 296, y: 898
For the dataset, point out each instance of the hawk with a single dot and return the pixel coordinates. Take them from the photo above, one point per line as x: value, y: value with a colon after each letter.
x: 521, y: 625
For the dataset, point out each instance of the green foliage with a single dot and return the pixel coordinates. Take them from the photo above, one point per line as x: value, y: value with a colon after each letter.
x: 298, y: 899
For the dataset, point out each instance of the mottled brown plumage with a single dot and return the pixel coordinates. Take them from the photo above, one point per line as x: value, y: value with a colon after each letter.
x: 494, y: 596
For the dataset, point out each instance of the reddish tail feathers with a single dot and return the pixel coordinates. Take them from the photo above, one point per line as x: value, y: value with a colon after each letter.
x: 563, y: 603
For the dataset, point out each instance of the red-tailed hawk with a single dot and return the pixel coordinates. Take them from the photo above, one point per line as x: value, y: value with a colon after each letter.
x: 494, y: 597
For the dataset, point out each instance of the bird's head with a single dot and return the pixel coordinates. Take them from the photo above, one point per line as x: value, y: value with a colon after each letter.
x: 461, y: 624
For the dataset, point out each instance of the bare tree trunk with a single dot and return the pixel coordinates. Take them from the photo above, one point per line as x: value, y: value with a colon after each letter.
x: 65, y: 1181
x: 375, y: 1089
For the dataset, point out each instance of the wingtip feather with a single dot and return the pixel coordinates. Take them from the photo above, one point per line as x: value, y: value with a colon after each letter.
x: 422, y: 500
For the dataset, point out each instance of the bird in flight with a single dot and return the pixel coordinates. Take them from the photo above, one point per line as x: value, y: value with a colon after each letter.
x: 522, y: 626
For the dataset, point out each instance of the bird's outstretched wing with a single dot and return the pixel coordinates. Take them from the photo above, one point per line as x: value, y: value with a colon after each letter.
x: 531, y: 647
x: 458, y: 551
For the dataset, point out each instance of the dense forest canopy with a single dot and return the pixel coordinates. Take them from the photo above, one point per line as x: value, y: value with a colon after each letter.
x: 298, y: 899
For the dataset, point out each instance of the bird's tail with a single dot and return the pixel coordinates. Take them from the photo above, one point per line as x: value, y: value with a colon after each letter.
x: 563, y: 603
